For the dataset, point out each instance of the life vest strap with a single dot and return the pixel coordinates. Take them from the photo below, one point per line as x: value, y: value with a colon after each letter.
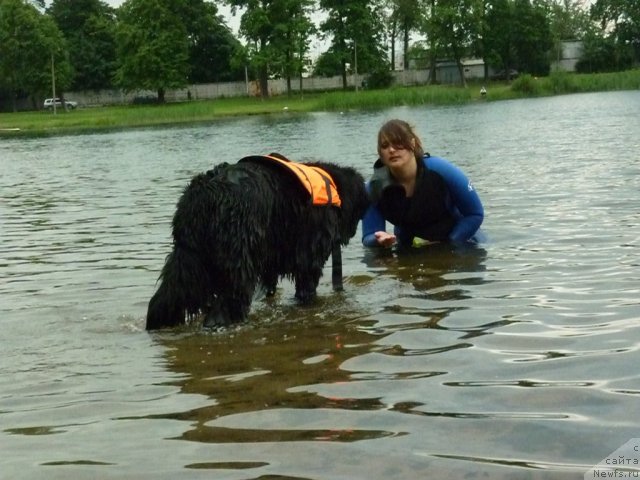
x: 336, y: 267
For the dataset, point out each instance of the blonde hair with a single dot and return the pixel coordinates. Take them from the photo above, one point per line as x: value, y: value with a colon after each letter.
x: 401, y: 134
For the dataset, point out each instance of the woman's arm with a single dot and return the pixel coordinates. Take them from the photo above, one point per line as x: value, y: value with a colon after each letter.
x: 372, y: 222
x: 464, y: 198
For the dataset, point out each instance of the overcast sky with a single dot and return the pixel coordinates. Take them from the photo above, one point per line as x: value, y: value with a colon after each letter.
x: 233, y: 22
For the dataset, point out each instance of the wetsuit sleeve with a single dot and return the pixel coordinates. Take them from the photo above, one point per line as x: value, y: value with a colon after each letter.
x: 465, y: 199
x: 372, y: 222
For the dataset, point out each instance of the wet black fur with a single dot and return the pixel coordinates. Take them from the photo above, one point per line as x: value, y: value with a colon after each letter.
x: 240, y: 226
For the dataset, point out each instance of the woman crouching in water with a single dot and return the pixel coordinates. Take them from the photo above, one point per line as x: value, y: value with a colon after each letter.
x: 426, y: 198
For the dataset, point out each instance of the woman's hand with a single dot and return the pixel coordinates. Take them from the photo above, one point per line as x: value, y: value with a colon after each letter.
x: 385, y: 239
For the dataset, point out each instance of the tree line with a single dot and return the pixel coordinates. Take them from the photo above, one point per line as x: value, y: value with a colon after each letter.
x: 168, y: 44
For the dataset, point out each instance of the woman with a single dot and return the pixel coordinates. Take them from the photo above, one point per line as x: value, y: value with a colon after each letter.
x: 426, y: 198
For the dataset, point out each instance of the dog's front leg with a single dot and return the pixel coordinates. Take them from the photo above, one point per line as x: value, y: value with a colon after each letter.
x: 269, y: 283
x: 306, y: 285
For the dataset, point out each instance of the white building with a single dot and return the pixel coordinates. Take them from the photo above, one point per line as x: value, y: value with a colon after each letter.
x: 568, y: 55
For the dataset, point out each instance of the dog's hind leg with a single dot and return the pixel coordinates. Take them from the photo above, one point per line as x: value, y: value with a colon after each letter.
x: 233, y: 299
x: 225, y: 311
x: 184, y: 289
x: 163, y: 311
x: 306, y: 284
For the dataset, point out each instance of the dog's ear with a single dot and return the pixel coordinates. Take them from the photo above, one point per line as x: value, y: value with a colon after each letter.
x: 279, y: 155
x: 217, y: 169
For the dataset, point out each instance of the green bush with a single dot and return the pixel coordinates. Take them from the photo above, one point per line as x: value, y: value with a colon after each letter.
x: 381, y: 78
x: 561, y: 82
x: 526, y: 84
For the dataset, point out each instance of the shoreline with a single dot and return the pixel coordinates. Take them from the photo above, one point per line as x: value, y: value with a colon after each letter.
x: 122, y: 117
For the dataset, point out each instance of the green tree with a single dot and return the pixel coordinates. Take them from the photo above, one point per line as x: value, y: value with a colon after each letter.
x: 431, y: 46
x: 292, y: 37
x: 622, y: 19
x: 152, y: 46
x: 518, y: 35
x: 328, y: 64
x: 569, y: 20
x: 278, y: 36
x: 32, y: 51
x: 599, y: 53
x: 532, y: 35
x: 456, y: 25
x: 499, y: 49
x: 357, y: 35
x: 419, y: 54
x: 407, y: 16
x: 212, y: 46
x: 256, y: 28
x: 89, y: 27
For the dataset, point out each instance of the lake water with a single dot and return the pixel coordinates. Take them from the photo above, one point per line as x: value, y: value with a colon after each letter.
x: 516, y: 359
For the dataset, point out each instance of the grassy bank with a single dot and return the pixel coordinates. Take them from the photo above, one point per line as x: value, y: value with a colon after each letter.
x: 131, y: 116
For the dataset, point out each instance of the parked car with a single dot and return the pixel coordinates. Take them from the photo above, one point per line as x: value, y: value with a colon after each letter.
x: 145, y: 100
x: 49, y: 102
x: 502, y: 75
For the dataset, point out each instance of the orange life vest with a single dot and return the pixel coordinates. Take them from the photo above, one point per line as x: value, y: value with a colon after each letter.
x: 316, y: 181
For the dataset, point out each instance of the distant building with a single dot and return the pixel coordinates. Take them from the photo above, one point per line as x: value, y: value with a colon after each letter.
x: 447, y: 71
x: 567, y: 57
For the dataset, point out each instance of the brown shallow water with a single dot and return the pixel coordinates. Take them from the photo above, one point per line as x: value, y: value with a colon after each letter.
x: 514, y: 359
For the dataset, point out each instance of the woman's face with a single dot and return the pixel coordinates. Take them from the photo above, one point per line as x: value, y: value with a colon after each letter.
x: 396, y: 156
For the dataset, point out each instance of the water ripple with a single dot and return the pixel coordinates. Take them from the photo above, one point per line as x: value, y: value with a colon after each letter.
x: 512, y: 359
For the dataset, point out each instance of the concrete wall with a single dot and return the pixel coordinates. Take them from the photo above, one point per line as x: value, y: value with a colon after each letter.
x: 236, y: 89
x: 90, y: 98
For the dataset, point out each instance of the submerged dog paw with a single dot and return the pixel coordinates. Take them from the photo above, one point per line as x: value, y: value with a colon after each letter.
x: 215, y: 320
x: 305, y: 296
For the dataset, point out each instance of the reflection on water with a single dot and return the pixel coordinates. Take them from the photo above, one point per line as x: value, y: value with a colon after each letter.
x: 438, y: 272
x: 265, y: 369
x: 261, y: 369
x: 512, y: 359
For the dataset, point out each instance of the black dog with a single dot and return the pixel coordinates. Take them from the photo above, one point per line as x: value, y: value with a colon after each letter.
x: 241, y: 226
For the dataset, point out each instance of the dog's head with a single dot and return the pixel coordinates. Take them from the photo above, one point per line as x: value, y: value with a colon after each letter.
x: 352, y: 191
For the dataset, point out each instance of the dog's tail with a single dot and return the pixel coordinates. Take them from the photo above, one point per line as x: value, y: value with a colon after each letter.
x: 182, y: 290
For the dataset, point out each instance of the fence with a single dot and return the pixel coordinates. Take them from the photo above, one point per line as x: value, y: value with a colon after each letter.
x: 235, y: 89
